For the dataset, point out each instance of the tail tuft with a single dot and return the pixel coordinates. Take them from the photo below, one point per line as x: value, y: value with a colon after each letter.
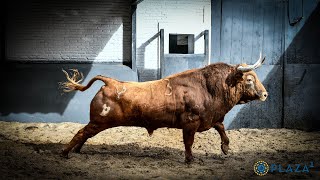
x: 73, y: 81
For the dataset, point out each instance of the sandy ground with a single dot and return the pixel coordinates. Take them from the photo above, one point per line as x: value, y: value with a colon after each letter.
x: 31, y: 151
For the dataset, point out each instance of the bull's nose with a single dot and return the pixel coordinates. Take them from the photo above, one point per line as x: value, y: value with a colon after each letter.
x: 263, y: 96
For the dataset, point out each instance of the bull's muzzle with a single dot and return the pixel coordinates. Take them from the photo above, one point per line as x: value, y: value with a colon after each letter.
x: 263, y: 96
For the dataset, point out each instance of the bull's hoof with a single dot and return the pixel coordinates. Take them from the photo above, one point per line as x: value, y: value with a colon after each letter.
x: 189, y: 159
x: 150, y: 132
x: 77, y: 150
x: 225, y: 148
x: 64, y: 154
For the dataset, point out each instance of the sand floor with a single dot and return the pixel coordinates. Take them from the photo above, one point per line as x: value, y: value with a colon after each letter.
x: 31, y: 151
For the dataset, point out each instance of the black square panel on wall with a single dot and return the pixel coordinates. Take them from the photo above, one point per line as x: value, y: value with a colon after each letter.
x: 181, y: 43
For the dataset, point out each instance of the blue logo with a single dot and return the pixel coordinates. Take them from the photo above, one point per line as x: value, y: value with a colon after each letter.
x: 292, y: 168
x: 261, y: 168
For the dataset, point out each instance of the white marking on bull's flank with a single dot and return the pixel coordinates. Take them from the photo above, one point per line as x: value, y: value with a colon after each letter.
x: 105, y: 110
x: 124, y: 89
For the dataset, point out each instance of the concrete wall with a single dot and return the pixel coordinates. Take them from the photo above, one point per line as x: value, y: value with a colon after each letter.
x: 73, y: 30
x: 241, y: 29
x: 42, y: 37
x: 175, y: 63
x: 174, y: 16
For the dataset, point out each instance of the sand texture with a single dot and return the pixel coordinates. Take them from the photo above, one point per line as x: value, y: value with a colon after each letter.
x: 31, y: 151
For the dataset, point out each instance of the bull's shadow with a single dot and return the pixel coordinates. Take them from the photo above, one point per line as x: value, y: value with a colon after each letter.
x: 125, y: 152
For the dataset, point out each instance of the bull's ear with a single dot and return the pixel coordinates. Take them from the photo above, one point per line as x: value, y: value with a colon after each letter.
x: 234, y: 78
x: 238, y: 76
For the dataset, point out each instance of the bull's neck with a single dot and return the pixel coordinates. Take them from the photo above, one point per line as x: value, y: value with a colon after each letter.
x: 228, y: 95
x: 233, y: 95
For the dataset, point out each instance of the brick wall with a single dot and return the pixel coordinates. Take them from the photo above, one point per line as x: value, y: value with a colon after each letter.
x: 174, y: 16
x: 73, y: 30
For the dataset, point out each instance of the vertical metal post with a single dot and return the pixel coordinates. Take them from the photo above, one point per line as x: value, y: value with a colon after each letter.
x: 283, y: 60
x: 3, y: 37
x: 206, y: 47
x: 134, y: 34
x: 161, y: 52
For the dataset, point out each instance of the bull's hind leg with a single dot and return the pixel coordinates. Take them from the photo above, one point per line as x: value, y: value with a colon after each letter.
x: 224, y: 139
x: 78, y: 146
x: 80, y: 138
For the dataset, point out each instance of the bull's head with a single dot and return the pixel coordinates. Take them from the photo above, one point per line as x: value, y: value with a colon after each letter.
x: 252, y: 87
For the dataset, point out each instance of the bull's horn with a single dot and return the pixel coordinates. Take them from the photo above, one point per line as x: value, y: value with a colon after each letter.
x: 252, y: 67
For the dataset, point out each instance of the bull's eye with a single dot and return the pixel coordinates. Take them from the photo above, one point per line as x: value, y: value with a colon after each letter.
x: 250, y: 79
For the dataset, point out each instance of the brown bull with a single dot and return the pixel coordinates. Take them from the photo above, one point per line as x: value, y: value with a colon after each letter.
x: 194, y: 101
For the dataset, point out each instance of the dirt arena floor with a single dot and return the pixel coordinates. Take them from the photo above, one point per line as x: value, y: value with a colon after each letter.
x: 31, y: 151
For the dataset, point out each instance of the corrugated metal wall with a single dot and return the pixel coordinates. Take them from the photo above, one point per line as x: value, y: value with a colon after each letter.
x: 243, y: 28
x: 240, y: 30
x: 302, y: 66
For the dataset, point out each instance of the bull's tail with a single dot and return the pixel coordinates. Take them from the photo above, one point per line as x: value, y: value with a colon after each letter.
x: 76, y: 77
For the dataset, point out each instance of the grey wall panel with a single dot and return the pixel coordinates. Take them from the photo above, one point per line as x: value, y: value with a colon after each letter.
x: 32, y: 94
x: 248, y: 27
x: 226, y: 31
x: 215, y: 30
x: 289, y: 50
x: 302, y: 59
x: 245, y: 28
x: 175, y: 63
x: 302, y: 87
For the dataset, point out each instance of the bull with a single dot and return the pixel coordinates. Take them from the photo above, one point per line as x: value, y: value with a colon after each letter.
x: 194, y: 101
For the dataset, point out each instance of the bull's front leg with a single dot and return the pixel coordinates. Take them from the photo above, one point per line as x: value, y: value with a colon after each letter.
x: 188, y: 138
x: 224, y: 139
